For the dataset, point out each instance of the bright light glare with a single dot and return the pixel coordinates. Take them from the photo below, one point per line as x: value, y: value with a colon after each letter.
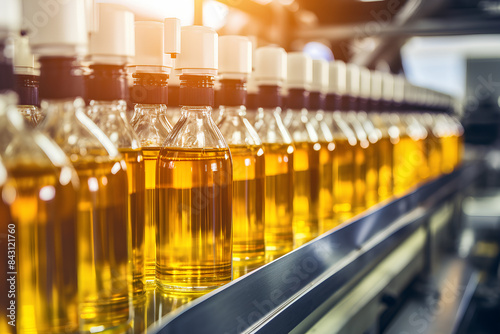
x: 262, y: 2
x: 160, y: 9
x: 214, y: 14
x: 318, y: 50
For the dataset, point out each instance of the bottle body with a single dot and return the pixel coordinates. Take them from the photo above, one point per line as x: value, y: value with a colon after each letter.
x: 40, y: 227
x: 104, y: 237
x: 194, y: 182
x: 279, y: 160
x: 248, y: 189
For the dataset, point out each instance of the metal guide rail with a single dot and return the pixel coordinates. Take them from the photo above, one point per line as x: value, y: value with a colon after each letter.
x: 278, y: 296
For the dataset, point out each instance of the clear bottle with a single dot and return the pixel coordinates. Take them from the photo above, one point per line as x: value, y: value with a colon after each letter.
x: 150, y: 95
x: 38, y: 224
x: 327, y: 153
x: 270, y: 73
x: 107, y: 91
x: 247, y: 154
x: 27, y: 83
x: 307, y: 150
x: 194, y: 180
x: 345, y: 143
x: 104, y: 245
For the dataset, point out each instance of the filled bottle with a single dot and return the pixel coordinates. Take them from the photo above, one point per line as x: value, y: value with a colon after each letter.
x: 110, y: 48
x: 150, y: 97
x: 194, y: 180
x: 38, y: 222
x: 27, y: 82
x: 307, y: 149
x: 327, y: 153
x: 345, y: 143
x: 386, y: 146
x: 247, y: 154
x: 103, y: 231
x: 270, y: 75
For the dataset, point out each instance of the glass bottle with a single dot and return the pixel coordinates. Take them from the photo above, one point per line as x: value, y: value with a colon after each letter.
x: 247, y: 154
x: 38, y: 223
x: 107, y: 91
x: 150, y: 95
x: 194, y: 180
x: 279, y: 151
x: 307, y: 150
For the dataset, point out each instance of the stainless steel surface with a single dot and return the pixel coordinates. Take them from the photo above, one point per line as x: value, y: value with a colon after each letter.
x: 278, y: 296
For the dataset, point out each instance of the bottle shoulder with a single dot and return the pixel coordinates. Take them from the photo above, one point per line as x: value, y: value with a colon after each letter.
x: 237, y: 130
x: 270, y: 127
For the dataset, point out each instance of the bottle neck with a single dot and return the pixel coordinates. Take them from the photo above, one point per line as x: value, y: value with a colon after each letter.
x: 106, y: 83
x: 316, y: 101
x: 269, y: 97
x: 196, y: 91
x: 108, y: 107
x: 232, y: 92
x: 60, y: 78
x: 149, y: 88
x: 173, y: 96
x: 252, y: 101
x: 297, y: 98
x: 333, y: 102
x: 27, y: 87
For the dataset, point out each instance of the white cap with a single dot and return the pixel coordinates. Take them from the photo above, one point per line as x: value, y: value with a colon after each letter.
x: 252, y: 87
x: 148, y: 43
x: 299, y: 71
x: 235, y: 57
x: 365, y: 83
x: 352, y: 80
x: 64, y: 28
x: 376, y: 85
x: 399, y: 88
x: 410, y: 93
x: 198, y: 51
x: 172, y: 36
x: 270, y: 66
x: 10, y: 17
x: 320, y: 76
x: 173, y: 78
x: 387, y: 86
x: 114, y: 43
x: 24, y: 61
x: 337, y: 77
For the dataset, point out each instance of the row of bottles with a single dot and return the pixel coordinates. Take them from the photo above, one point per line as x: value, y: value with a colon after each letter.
x: 113, y: 187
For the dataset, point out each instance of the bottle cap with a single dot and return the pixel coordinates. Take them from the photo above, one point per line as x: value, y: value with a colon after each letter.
x: 63, y: 32
x: 399, y: 88
x: 148, y: 45
x: 270, y: 66
x: 299, y: 71
x: 10, y: 17
x: 114, y: 42
x: 320, y: 76
x: 387, y: 86
x: 352, y: 80
x: 172, y: 36
x: 337, y: 78
x: 410, y: 93
x: 173, y: 78
x: 365, y: 83
x: 24, y: 61
x: 235, y: 57
x: 375, y: 85
x: 252, y: 87
x: 198, y: 51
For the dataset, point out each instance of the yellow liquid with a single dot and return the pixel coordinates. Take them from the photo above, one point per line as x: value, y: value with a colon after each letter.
x: 150, y: 212
x: 385, y: 164
x: 104, y: 264
x: 372, y: 155
x: 326, y: 196
x: 306, y: 192
x: 5, y: 219
x: 248, y: 208
x: 194, y: 249
x: 405, y: 166
x: 461, y: 149
x: 279, y: 199
x: 343, y: 180
x: 420, y: 159
x: 136, y: 189
x: 44, y: 215
x: 450, y: 152
x: 360, y: 174
x: 433, y: 154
